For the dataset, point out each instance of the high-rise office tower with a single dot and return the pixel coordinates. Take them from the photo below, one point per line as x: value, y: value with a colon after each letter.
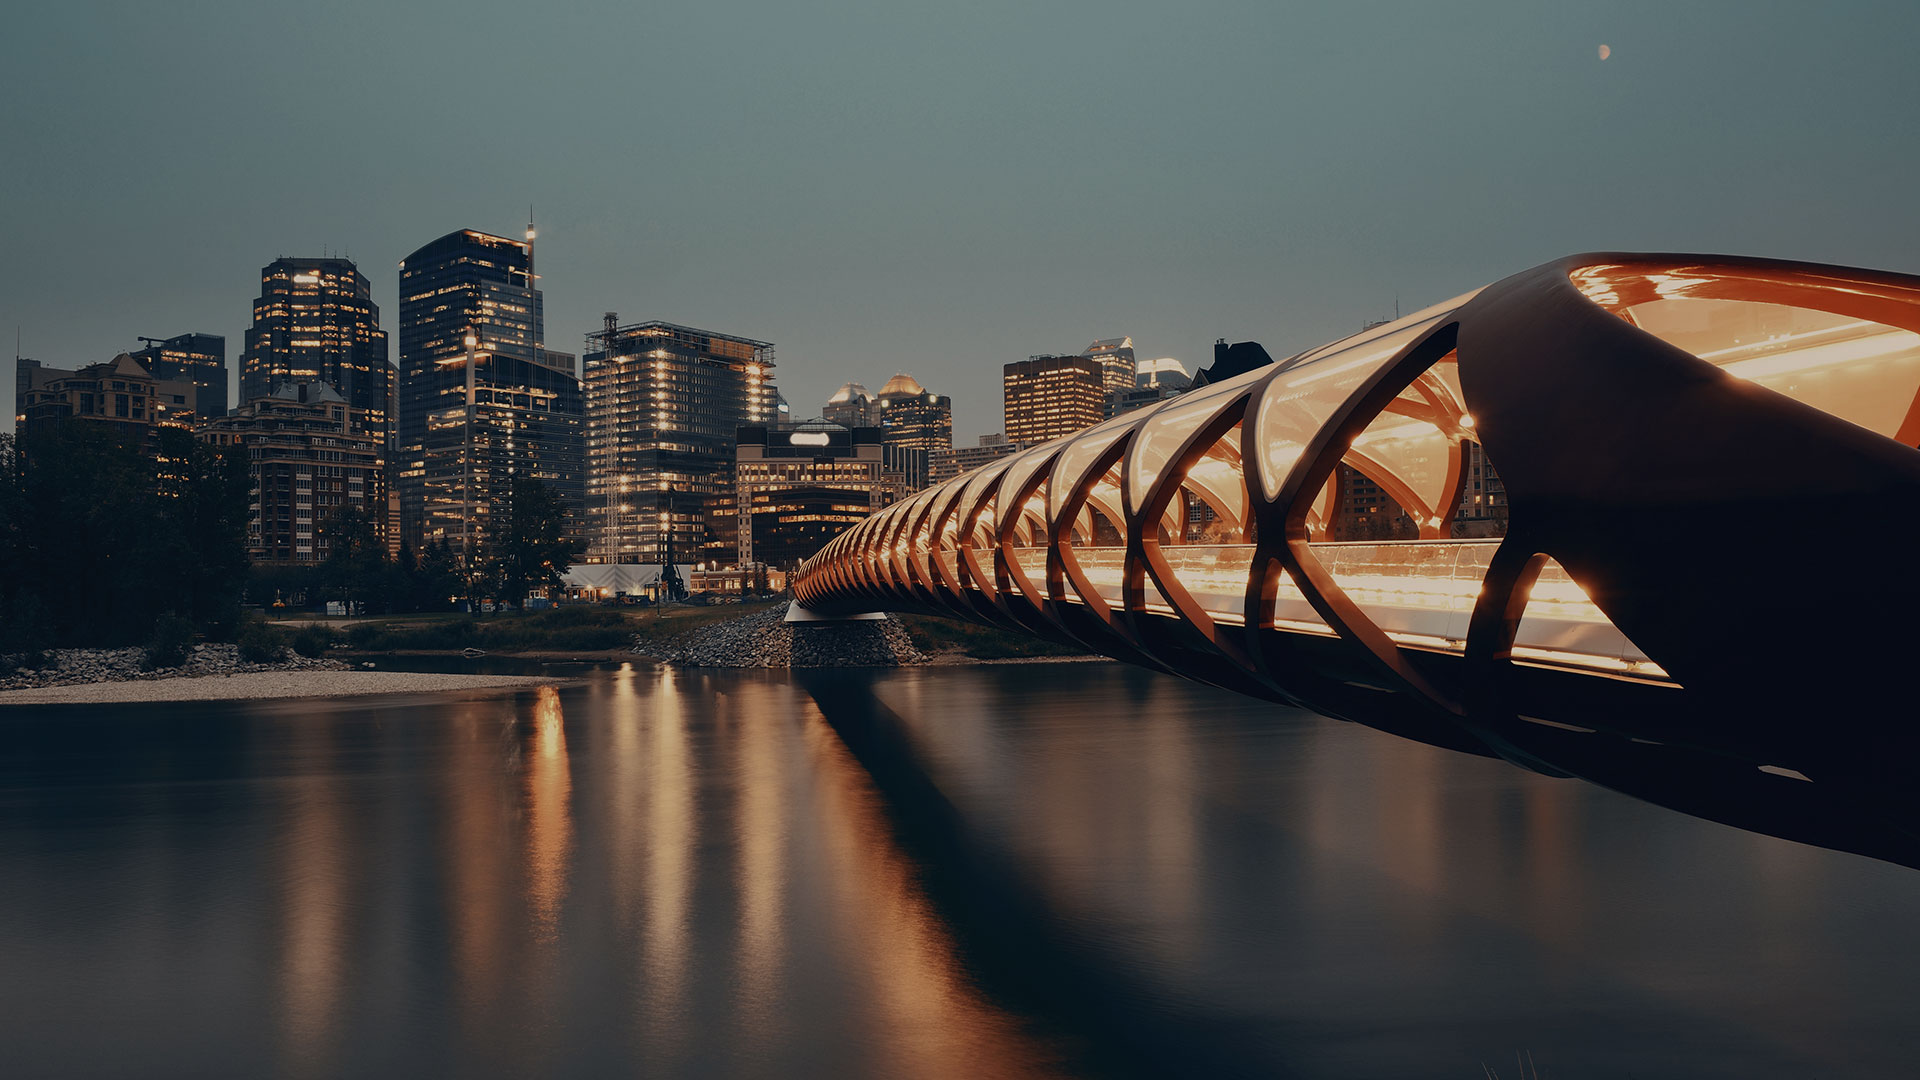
x: 200, y: 359
x: 664, y: 404
x: 1166, y: 371
x: 851, y: 406
x: 1115, y: 357
x: 480, y: 402
x: 915, y: 425
x: 315, y: 321
x: 1047, y: 397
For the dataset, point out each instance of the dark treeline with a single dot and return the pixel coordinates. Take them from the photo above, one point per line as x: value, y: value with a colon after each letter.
x: 529, y: 555
x: 103, y: 545
x: 100, y: 541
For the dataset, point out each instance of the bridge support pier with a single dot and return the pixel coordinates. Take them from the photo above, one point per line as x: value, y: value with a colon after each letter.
x: 798, y: 614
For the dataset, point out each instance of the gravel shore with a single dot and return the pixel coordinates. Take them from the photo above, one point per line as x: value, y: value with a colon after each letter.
x: 262, y: 684
x: 766, y: 639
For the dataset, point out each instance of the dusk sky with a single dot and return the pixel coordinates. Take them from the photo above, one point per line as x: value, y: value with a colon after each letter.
x: 937, y: 189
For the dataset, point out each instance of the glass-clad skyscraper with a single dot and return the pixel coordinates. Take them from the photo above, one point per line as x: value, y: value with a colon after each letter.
x: 315, y: 321
x: 467, y: 428
x: 664, y: 403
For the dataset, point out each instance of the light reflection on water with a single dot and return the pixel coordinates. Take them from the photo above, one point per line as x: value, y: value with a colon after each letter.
x: 1064, y: 869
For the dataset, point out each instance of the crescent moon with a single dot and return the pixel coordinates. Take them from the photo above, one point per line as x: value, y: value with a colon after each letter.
x: 1605, y: 51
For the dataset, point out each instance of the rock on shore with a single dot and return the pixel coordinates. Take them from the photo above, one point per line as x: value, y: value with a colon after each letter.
x: 65, y: 667
x: 766, y: 639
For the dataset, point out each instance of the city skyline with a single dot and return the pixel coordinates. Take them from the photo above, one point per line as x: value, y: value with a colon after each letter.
x: 1223, y: 195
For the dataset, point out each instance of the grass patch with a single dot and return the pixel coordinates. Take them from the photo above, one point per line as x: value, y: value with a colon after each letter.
x: 581, y: 629
x: 664, y: 623
x: 933, y: 634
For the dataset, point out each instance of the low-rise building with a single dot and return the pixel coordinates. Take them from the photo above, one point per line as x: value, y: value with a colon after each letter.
x: 118, y: 394
x: 948, y: 464
x: 795, y: 490
x: 1139, y: 397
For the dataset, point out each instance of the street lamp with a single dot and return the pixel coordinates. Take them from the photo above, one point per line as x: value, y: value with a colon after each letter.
x: 466, y: 485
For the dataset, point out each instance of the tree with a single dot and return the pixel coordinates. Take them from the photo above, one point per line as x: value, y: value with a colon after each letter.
x: 204, y: 495
x: 531, y: 551
x: 438, y: 578
x: 355, y: 570
x: 101, y: 540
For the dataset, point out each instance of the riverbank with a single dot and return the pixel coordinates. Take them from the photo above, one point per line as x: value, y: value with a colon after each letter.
x: 310, y: 683
x: 765, y: 639
x: 748, y: 635
x: 84, y: 667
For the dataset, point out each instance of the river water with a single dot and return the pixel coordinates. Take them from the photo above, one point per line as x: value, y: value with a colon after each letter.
x: 1071, y: 869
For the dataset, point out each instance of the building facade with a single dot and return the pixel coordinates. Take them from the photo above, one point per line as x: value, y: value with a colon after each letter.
x: 964, y: 459
x: 315, y: 320
x: 795, y: 490
x: 1047, y: 397
x: 1115, y: 357
x: 480, y: 400
x: 200, y: 359
x: 664, y: 406
x: 309, y: 456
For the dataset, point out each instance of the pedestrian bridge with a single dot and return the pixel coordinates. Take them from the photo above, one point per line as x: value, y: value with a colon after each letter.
x: 1647, y: 519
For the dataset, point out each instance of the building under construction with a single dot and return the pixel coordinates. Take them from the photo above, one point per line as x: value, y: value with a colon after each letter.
x: 663, y: 403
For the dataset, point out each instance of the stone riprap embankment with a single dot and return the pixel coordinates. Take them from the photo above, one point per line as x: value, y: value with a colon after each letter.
x: 66, y: 667
x: 766, y: 639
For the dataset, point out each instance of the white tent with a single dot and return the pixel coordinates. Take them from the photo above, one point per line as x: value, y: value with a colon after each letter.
x: 612, y: 579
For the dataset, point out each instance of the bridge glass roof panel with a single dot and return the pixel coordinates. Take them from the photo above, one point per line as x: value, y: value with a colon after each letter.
x: 1427, y: 314
x: 1019, y: 471
x: 1297, y: 402
x: 976, y: 497
x: 1864, y: 372
x: 1170, y: 426
x: 1079, y: 455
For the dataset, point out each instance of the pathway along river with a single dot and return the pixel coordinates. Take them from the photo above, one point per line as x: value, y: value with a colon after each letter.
x: 1047, y: 869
